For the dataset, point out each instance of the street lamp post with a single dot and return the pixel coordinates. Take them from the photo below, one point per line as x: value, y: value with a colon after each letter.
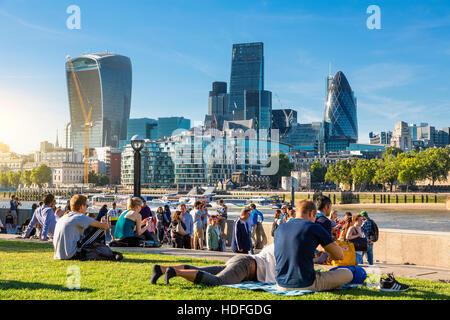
x: 137, y: 143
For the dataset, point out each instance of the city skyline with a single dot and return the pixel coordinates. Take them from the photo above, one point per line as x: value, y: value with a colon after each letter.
x: 398, y: 73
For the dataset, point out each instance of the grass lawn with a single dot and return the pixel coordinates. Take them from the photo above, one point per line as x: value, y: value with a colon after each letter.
x: 28, y: 272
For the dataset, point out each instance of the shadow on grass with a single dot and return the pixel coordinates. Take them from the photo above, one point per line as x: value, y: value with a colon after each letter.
x: 19, y: 285
x: 22, y: 246
x: 412, y: 293
x: 156, y: 261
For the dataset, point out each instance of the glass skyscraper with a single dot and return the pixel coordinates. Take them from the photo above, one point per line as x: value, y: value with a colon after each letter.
x: 340, y: 121
x: 258, y: 106
x: 247, y: 73
x: 172, y: 125
x: 105, y: 83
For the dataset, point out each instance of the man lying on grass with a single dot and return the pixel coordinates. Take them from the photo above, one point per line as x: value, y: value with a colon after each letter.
x: 68, y: 240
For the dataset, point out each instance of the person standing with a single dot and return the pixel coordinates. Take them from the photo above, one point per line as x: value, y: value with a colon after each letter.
x: 199, y: 215
x: 45, y: 216
x: 369, y: 230
x: 241, y: 239
x: 255, y: 223
x: 13, y: 208
x: 111, y: 218
x: 222, y: 211
x: 295, y: 243
x: 188, y: 221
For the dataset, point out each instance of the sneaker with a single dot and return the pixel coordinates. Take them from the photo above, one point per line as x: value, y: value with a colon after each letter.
x: 392, y: 285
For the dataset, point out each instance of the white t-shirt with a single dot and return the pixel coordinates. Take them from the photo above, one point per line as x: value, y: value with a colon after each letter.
x: 113, y: 213
x: 265, y: 264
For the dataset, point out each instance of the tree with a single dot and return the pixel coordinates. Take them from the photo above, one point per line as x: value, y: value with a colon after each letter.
x: 363, y: 171
x: 339, y: 173
x: 436, y: 163
x: 284, y: 170
x: 41, y: 175
x: 410, y: 169
x: 98, y: 179
x: 318, y: 172
x: 13, y: 178
x: 4, y: 179
x: 387, y: 171
x: 393, y: 151
x: 26, y: 178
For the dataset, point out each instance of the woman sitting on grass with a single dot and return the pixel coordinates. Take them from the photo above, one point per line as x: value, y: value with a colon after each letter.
x: 240, y: 268
x: 129, y: 226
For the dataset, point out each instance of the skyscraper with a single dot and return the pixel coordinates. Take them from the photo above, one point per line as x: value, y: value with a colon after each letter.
x: 218, y: 101
x: 340, y: 121
x: 172, y: 125
x: 105, y: 83
x: 247, y: 73
x: 258, y: 106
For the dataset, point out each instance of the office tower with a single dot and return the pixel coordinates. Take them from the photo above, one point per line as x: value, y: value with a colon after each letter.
x: 172, y: 125
x: 340, y: 121
x: 67, y: 143
x: 258, y: 106
x: 401, y: 138
x: 247, y: 73
x: 145, y: 127
x: 383, y: 137
x: 218, y: 101
x: 283, y: 119
x: 104, y: 81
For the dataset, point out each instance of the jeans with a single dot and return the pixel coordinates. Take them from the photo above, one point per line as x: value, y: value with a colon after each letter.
x: 359, y: 258
x: 369, y: 254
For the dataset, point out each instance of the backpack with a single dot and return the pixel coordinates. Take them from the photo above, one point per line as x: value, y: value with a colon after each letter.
x: 274, y: 227
x: 374, y: 231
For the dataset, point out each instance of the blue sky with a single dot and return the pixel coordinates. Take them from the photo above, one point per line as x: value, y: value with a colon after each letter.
x: 178, y: 48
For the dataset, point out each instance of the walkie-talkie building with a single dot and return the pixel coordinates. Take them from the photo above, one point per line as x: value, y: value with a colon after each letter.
x: 340, y: 121
x: 247, y: 73
x: 105, y: 85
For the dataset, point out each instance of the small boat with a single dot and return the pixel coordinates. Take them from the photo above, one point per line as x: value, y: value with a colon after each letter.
x: 108, y: 199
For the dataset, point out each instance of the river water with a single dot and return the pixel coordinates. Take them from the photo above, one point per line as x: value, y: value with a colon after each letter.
x: 408, y: 220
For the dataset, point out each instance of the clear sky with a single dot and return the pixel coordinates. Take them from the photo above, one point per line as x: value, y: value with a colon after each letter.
x: 178, y: 48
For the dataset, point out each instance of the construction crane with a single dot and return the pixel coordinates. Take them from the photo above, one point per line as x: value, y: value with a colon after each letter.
x: 87, y: 122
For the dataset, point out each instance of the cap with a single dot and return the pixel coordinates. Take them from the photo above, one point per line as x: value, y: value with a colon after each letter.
x: 364, y: 214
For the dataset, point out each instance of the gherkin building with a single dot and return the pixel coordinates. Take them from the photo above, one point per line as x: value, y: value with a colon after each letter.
x: 340, y: 121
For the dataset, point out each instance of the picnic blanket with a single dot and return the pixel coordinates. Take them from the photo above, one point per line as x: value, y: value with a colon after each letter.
x: 272, y: 288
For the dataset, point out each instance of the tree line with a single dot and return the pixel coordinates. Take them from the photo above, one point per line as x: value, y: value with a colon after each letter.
x: 394, y: 167
x: 40, y: 176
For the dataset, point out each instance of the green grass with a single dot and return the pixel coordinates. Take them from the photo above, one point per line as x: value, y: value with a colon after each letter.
x: 28, y: 271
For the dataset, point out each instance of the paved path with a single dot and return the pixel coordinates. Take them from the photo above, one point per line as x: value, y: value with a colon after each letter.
x: 399, y: 270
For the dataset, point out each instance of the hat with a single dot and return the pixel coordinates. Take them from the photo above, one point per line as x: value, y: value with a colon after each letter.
x: 364, y: 214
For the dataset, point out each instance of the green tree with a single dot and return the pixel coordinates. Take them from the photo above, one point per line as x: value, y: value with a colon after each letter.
x: 394, y: 151
x: 318, y: 172
x: 363, y: 172
x: 98, y: 179
x: 339, y: 173
x: 411, y: 169
x: 436, y: 163
x: 13, y: 178
x: 26, y: 178
x: 41, y: 175
x: 4, y: 179
x: 284, y: 170
x: 387, y: 171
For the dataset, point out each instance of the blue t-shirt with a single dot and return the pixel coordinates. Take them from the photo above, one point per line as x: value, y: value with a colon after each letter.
x: 295, y: 243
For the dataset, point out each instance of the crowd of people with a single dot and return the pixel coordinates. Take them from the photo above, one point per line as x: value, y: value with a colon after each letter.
x: 303, y: 236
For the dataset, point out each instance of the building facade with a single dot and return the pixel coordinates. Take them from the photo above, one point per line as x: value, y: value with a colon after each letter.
x: 340, y: 121
x: 247, y: 73
x: 105, y: 83
x: 169, y: 126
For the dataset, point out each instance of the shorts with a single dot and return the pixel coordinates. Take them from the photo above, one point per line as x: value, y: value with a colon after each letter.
x: 199, y: 234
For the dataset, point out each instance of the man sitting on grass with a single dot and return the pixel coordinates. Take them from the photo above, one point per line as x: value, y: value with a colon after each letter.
x: 295, y: 243
x: 70, y: 228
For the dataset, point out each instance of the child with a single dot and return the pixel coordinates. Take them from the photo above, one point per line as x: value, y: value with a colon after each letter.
x: 9, y: 221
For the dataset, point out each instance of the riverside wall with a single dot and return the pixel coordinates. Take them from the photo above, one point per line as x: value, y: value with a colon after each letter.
x: 425, y: 248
